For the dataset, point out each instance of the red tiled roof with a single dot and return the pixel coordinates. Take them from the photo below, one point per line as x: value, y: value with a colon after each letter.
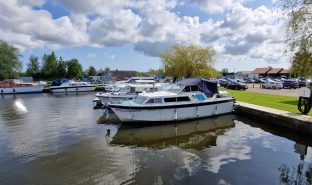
x: 261, y: 70
x: 284, y: 71
x: 275, y: 70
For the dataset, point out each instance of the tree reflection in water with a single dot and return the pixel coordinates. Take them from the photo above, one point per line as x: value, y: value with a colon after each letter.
x: 300, y: 175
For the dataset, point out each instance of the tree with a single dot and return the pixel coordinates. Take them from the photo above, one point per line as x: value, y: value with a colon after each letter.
x: 302, y: 63
x: 33, y: 67
x: 61, y: 68
x: 299, y: 29
x: 74, y: 69
x: 9, y: 61
x: 91, y: 71
x: 189, y: 61
x: 49, y: 66
x: 225, y: 71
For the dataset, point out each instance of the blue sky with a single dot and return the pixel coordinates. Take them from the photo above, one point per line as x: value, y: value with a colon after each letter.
x: 130, y: 34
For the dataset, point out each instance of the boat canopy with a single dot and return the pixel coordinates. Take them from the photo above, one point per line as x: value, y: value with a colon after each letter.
x: 58, y: 82
x: 206, y: 86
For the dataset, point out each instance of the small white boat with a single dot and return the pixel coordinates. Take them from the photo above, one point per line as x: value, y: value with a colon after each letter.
x: 13, y: 86
x: 191, y: 98
x: 64, y: 85
x: 124, y: 92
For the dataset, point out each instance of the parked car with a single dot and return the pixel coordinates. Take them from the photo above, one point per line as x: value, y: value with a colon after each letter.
x: 250, y: 80
x: 262, y: 80
x: 229, y: 84
x: 290, y: 84
x: 301, y: 82
x: 272, y: 85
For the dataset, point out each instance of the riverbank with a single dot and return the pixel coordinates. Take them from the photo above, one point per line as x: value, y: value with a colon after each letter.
x: 297, y: 122
x: 280, y: 102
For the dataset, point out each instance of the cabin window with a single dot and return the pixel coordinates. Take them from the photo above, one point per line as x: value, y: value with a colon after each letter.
x: 187, y: 89
x: 139, y: 100
x: 183, y: 98
x: 150, y: 101
x: 194, y: 88
x: 158, y: 100
x: 154, y: 100
x: 170, y: 99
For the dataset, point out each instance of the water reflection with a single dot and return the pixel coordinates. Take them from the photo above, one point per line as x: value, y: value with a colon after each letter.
x: 60, y: 139
x: 192, y: 134
x: 299, y: 175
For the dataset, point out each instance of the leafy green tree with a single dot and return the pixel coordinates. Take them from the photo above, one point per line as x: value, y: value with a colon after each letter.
x: 74, y: 69
x: 140, y: 74
x: 299, y: 29
x: 10, y: 64
x: 225, y: 71
x: 189, y: 61
x: 61, y: 68
x: 49, y: 66
x: 91, y: 71
x: 33, y: 67
x: 302, y: 63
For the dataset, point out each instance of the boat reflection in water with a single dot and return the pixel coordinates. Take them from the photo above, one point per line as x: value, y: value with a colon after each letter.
x: 195, y: 134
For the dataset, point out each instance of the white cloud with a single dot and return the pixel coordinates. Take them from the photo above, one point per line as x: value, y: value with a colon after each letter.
x: 151, y: 26
x: 215, y: 6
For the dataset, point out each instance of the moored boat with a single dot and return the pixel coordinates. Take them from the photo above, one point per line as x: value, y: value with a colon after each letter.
x: 64, y: 85
x: 14, y: 86
x: 124, y: 92
x: 187, y: 99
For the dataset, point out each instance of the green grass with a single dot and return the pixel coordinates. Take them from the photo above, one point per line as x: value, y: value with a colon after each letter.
x: 286, y: 103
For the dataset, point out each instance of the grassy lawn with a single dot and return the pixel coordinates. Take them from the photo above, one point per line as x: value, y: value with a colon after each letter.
x: 287, y: 103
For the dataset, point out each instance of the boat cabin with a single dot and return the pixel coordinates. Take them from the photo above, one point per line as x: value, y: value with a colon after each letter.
x: 10, y: 83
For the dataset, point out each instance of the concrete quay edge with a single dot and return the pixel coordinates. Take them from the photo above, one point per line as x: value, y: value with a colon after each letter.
x: 298, y: 122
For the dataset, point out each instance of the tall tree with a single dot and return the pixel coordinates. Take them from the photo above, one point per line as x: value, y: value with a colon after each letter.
x: 49, y: 66
x: 91, y: 71
x: 33, y: 67
x: 61, y: 68
x: 74, y: 69
x: 189, y: 61
x: 302, y: 63
x: 225, y: 71
x: 299, y: 29
x: 9, y: 61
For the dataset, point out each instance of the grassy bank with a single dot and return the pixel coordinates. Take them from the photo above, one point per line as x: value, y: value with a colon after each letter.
x: 286, y: 103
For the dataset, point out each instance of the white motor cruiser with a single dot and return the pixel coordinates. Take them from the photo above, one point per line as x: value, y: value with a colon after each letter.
x: 14, y: 86
x: 64, y: 85
x: 190, y: 98
x: 124, y: 92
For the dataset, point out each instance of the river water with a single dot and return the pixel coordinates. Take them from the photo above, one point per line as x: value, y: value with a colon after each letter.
x: 59, y: 139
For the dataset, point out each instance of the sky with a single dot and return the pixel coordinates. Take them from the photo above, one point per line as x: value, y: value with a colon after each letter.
x: 131, y: 34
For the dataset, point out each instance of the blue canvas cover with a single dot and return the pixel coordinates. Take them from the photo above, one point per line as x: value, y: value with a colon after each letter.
x: 58, y: 82
x: 206, y: 86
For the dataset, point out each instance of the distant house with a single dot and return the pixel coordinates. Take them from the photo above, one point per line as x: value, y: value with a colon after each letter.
x: 105, y: 78
x: 275, y: 72
x: 123, y: 75
x: 270, y: 72
x: 284, y: 72
x: 261, y: 72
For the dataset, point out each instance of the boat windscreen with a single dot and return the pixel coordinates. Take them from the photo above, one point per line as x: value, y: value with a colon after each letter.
x: 175, y: 88
x: 139, y: 100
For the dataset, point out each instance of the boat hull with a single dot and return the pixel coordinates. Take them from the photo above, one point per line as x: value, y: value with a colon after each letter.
x: 72, y: 89
x: 21, y: 90
x: 173, y: 112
